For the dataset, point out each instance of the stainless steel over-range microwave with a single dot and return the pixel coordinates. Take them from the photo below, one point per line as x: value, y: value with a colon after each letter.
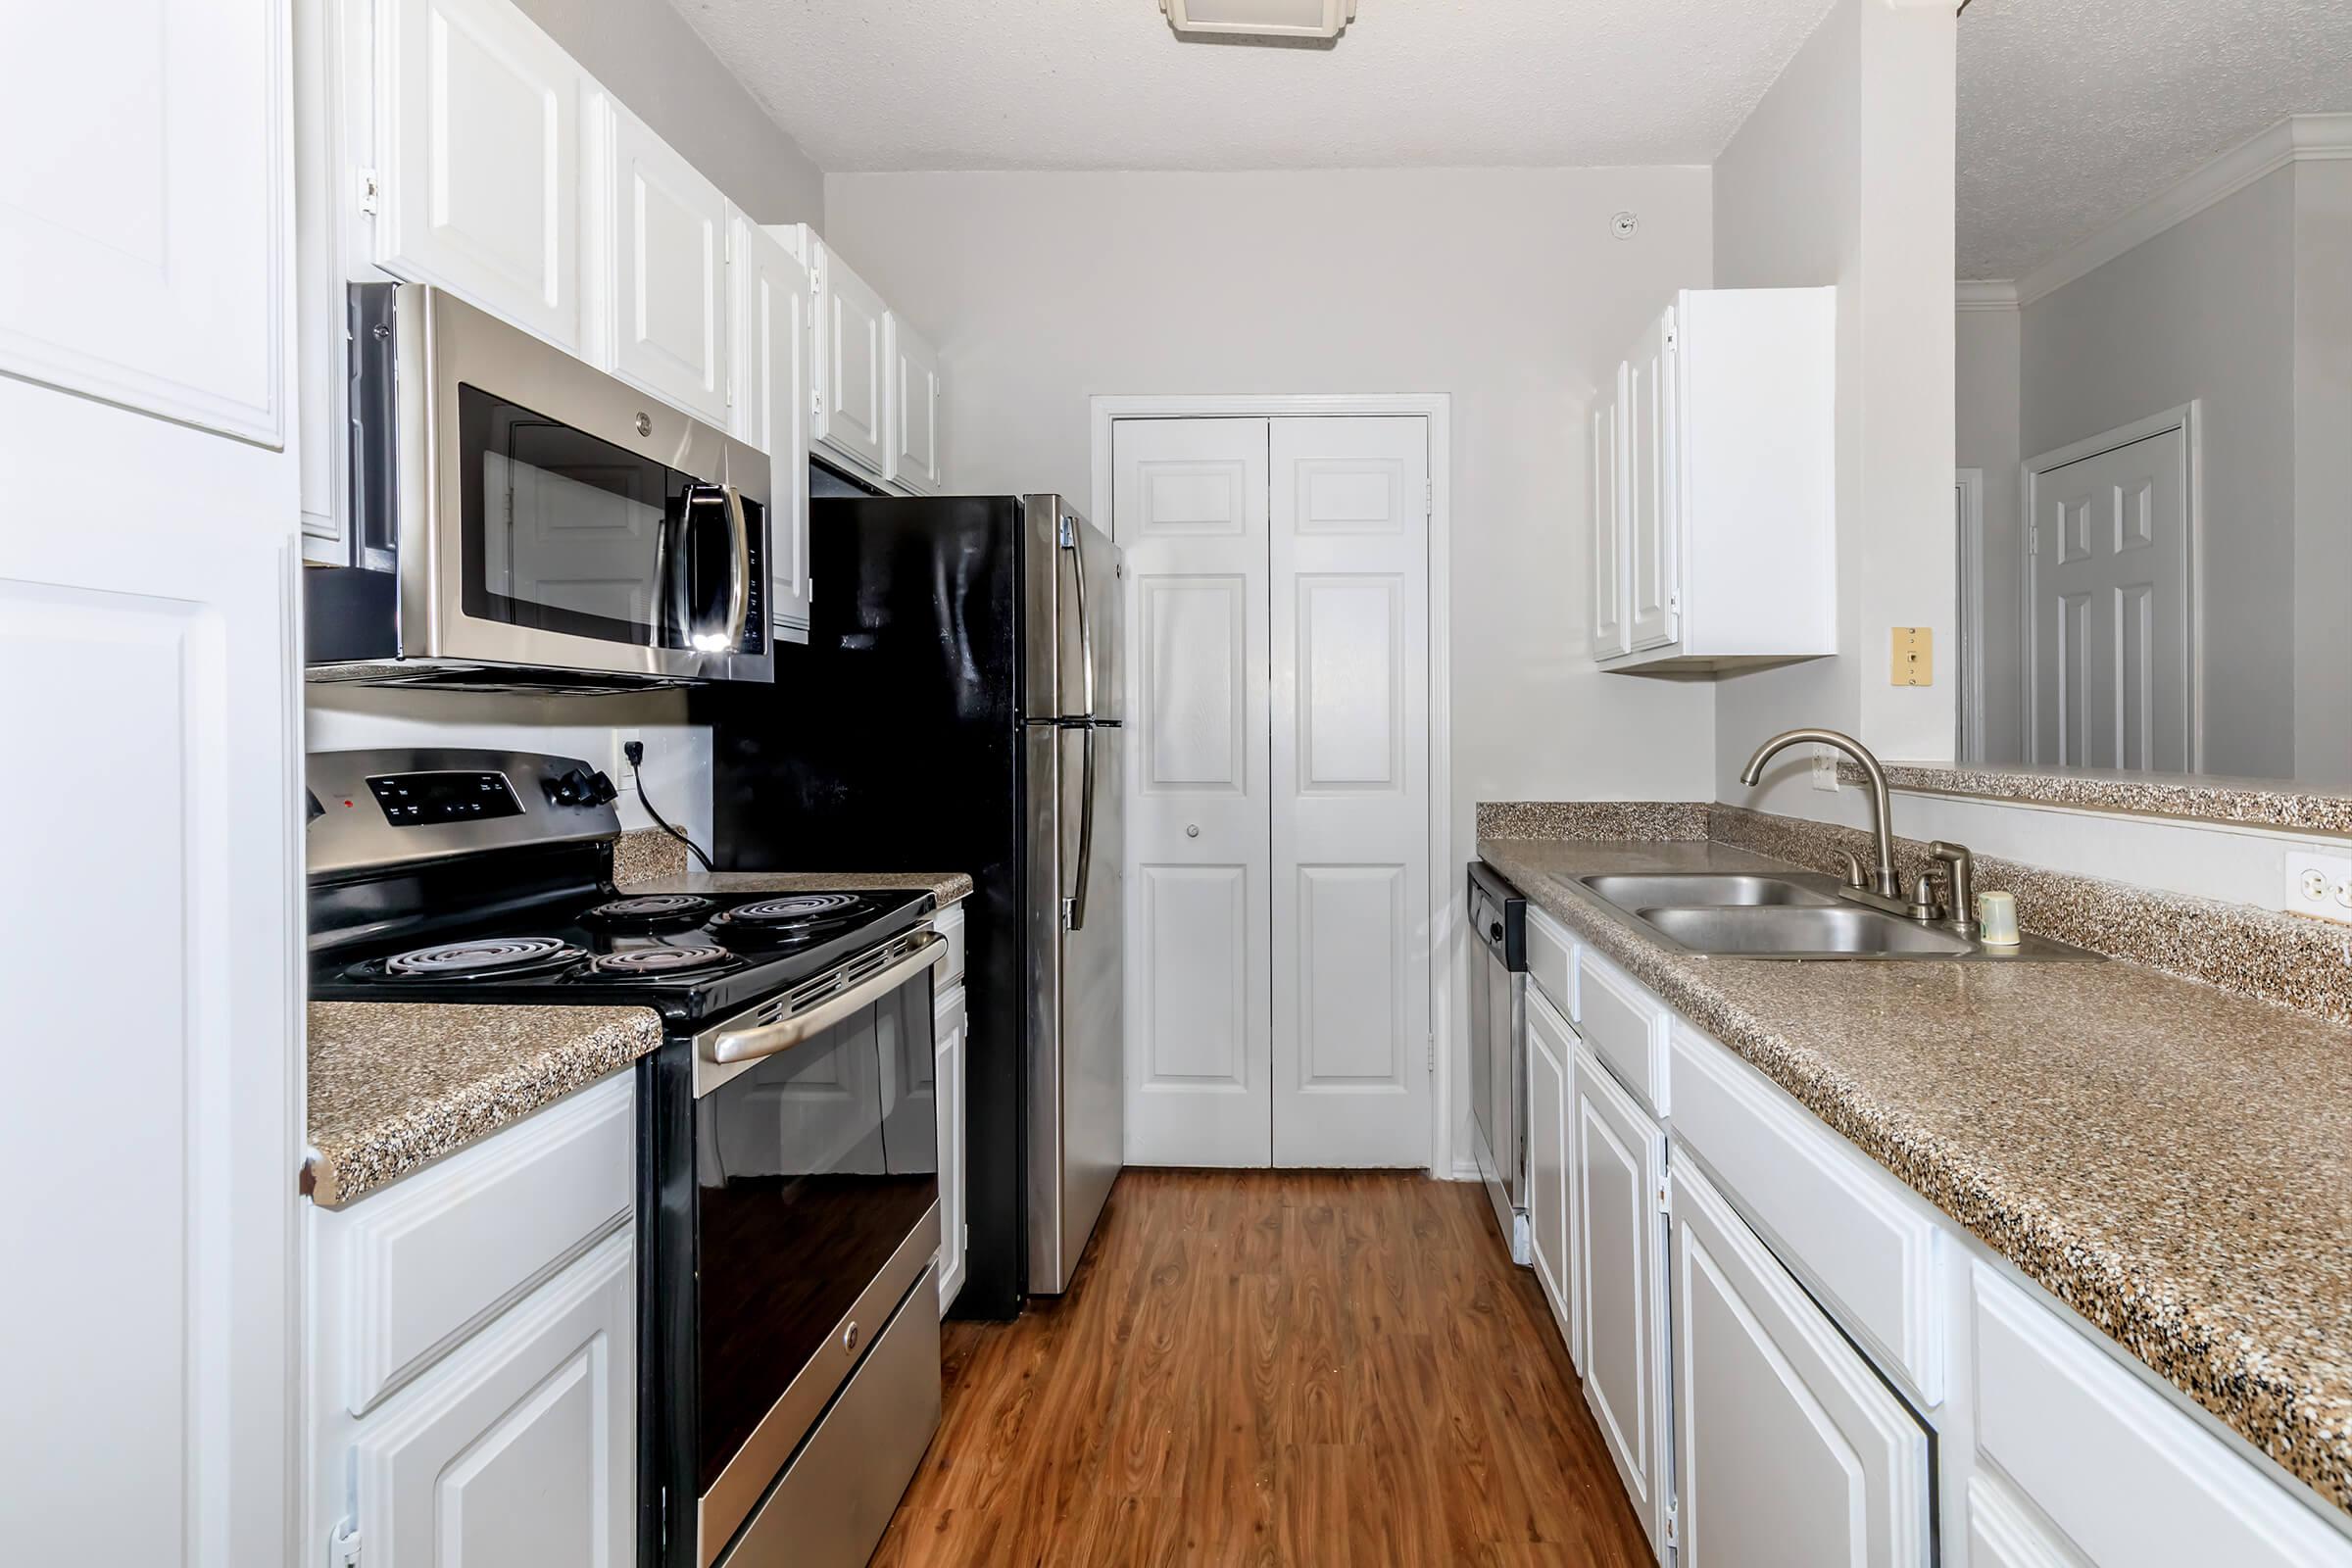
x: 522, y: 519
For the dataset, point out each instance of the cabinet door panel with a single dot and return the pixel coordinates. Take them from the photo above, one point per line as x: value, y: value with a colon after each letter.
x: 950, y: 1029
x: 1550, y: 1055
x: 852, y: 412
x: 1620, y: 1237
x: 143, y: 208
x: 1777, y: 1417
x: 1653, y: 534
x: 524, y: 1448
x: 1611, y: 633
x: 479, y: 139
x: 913, y: 454
x: 668, y: 249
x: 774, y: 311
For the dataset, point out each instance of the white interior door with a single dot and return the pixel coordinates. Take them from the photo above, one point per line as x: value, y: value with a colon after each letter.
x: 2110, y: 608
x: 1349, y: 542
x: 1189, y: 507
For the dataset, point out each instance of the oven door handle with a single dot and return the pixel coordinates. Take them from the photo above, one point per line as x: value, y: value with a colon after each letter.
x: 729, y: 1046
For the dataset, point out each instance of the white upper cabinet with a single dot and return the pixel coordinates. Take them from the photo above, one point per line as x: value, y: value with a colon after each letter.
x: 774, y: 309
x: 1776, y: 1415
x: 666, y: 234
x: 1610, y: 588
x: 143, y: 210
x: 852, y: 391
x: 911, y: 459
x: 481, y: 154
x: 1713, y: 509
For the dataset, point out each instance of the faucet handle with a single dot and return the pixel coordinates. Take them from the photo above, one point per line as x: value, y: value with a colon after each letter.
x: 1853, y: 869
x: 1963, y: 867
x: 1926, y: 907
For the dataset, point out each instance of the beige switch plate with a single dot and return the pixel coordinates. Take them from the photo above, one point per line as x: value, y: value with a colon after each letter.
x: 1914, y: 657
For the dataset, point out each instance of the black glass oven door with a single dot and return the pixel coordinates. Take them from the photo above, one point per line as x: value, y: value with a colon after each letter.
x: 812, y: 1169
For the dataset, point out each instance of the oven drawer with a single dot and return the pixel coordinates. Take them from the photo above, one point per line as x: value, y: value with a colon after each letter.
x: 836, y: 1498
x: 424, y: 1263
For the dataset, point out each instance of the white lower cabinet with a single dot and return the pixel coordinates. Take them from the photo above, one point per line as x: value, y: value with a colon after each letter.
x: 470, y: 1367
x: 522, y: 1448
x: 1769, y: 1325
x: 1620, y: 1273
x: 1550, y: 1070
x: 1789, y: 1449
x: 948, y: 1029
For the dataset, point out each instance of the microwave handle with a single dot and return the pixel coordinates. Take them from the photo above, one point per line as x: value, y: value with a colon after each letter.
x: 739, y: 594
x: 739, y: 588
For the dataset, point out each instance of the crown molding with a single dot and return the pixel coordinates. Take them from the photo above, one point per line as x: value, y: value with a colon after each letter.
x: 1986, y: 294
x: 2291, y: 140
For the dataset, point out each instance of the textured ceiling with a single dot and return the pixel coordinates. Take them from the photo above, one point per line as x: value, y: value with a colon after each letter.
x: 959, y: 85
x: 2074, y: 111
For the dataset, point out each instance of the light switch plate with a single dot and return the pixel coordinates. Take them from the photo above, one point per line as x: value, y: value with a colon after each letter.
x: 2320, y: 885
x: 1914, y: 660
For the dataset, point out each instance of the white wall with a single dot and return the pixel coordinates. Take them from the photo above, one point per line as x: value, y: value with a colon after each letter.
x: 2205, y: 309
x: 1987, y: 364
x: 1502, y: 287
x: 1844, y: 174
x: 648, y: 57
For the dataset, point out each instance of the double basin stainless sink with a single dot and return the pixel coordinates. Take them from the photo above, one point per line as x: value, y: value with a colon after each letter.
x: 1795, y: 915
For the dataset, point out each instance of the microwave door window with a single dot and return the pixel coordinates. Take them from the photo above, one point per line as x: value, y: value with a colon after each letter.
x: 563, y: 532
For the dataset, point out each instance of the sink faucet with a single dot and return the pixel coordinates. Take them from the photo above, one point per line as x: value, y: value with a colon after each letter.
x: 1883, y: 882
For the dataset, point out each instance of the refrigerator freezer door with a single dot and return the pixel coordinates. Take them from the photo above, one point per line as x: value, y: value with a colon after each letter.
x: 1077, y: 1105
x: 1074, y: 664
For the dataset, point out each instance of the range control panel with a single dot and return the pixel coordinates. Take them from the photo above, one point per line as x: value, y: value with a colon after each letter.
x: 417, y: 799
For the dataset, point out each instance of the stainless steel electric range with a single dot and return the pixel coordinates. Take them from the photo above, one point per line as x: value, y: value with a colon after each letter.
x: 788, y: 1209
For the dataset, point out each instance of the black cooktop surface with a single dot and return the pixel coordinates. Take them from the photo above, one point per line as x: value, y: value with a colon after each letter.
x: 690, y: 955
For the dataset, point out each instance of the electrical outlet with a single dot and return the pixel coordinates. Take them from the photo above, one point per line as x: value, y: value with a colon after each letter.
x: 2319, y: 884
x: 620, y: 768
x: 1825, y: 769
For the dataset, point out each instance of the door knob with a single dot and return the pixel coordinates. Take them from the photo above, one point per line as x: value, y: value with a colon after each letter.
x: 1192, y: 830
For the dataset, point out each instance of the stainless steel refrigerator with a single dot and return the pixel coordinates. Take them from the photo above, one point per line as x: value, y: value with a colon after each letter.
x: 958, y: 708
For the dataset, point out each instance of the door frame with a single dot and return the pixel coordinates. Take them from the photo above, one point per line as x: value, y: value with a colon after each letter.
x: 1105, y: 410
x: 2189, y: 420
x: 1968, y: 485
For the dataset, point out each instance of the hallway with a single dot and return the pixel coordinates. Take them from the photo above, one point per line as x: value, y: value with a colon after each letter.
x: 1272, y: 1367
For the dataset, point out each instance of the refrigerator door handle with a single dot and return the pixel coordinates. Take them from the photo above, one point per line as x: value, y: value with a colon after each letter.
x: 1085, y: 630
x: 1076, y: 918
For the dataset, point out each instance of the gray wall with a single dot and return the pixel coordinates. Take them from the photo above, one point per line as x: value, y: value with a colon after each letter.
x: 2204, y: 311
x: 649, y: 58
x: 2323, y: 473
x: 1987, y: 356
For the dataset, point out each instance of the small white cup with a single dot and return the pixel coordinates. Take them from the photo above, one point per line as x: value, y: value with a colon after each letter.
x: 1996, y: 913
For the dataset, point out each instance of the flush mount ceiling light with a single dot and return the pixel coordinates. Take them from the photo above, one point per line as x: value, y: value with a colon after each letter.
x: 1261, y: 19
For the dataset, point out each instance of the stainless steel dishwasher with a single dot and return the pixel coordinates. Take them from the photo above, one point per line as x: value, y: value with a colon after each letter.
x: 1499, y: 1050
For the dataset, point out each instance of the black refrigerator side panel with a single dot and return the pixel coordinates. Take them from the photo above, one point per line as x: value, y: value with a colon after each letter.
x: 889, y: 744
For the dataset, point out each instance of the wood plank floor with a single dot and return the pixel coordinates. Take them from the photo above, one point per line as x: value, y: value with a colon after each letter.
x: 1272, y: 1367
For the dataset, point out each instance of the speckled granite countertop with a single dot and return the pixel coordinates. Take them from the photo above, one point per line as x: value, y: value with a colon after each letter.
x: 396, y: 1085
x: 2172, y: 1161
